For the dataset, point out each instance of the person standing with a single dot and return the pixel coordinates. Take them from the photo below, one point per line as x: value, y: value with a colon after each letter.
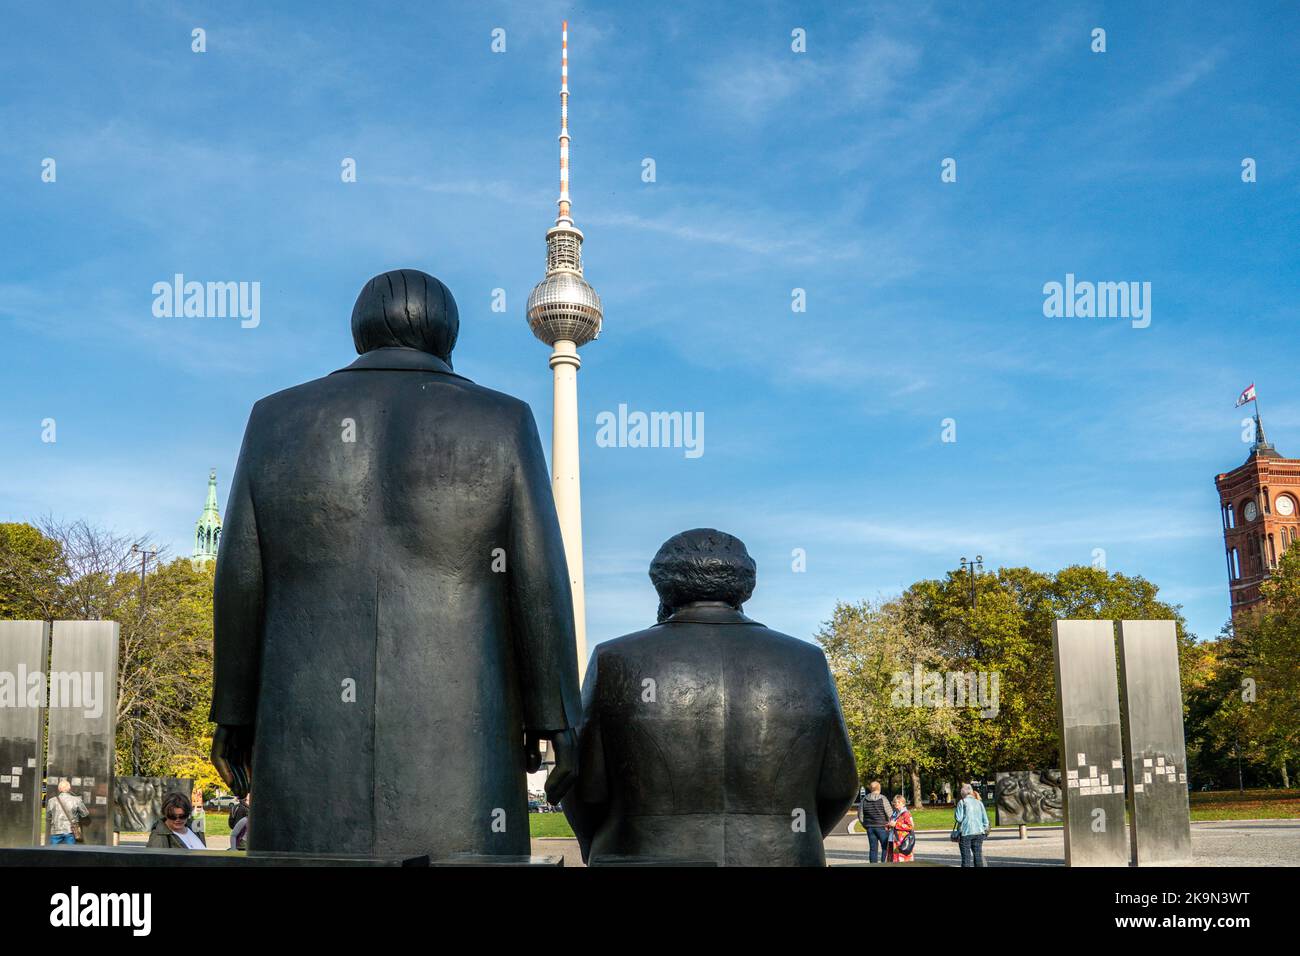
x: 973, y: 826
x: 65, y: 811
x: 902, y: 832
x: 198, y: 820
x: 239, y: 834
x: 874, y: 815
x: 240, y: 821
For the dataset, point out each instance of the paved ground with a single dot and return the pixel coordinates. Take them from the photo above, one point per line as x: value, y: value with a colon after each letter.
x: 1221, y: 843
x: 566, y: 846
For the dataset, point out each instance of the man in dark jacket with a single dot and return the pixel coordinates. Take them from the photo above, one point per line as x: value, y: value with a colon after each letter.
x: 393, y: 616
x: 874, y: 815
x: 709, y: 737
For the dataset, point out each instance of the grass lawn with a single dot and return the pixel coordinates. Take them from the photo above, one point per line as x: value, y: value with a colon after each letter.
x: 214, y: 823
x: 548, y: 825
x: 1246, y: 805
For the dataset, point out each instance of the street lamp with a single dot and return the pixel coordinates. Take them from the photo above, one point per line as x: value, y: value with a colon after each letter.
x: 136, y: 751
x: 144, y: 558
x: 974, y: 567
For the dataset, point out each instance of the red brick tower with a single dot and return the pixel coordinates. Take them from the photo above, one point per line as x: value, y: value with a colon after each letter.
x: 1260, y: 501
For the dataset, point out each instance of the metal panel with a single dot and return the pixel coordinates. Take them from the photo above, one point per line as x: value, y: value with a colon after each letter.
x: 1160, y: 825
x: 1092, y: 754
x: 83, y: 719
x: 23, y: 649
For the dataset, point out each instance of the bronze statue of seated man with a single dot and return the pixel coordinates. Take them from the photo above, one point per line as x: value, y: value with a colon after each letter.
x: 708, y: 737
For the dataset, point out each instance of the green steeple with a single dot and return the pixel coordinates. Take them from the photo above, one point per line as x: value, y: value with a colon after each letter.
x: 207, y: 532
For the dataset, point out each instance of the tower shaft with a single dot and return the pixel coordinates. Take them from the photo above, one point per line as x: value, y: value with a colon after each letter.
x: 566, y: 483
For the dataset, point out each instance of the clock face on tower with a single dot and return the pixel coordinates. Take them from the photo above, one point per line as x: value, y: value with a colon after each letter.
x: 1251, y: 511
x: 1285, y: 506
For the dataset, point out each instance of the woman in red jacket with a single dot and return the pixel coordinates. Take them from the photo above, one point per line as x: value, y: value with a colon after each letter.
x: 902, y: 833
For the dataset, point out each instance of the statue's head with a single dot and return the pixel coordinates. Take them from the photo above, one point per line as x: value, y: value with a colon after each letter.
x: 406, y: 308
x: 702, y: 565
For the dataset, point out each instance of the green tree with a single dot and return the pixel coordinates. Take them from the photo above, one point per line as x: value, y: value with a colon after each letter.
x: 77, y: 571
x: 1005, y: 634
x: 872, y: 648
x: 165, y: 670
x: 31, y: 569
x: 1263, y: 656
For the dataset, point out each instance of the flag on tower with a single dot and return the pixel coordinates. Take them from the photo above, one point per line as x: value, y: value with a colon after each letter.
x: 1247, y: 396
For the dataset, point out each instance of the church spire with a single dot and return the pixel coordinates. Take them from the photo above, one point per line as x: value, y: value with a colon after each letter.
x: 207, y: 530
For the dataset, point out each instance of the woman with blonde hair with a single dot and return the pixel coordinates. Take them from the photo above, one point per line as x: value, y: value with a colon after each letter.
x: 902, y: 832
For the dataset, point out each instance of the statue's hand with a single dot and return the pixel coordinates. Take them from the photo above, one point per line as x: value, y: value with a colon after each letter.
x: 232, y: 756
x: 565, y: 775
x: 532, y: 752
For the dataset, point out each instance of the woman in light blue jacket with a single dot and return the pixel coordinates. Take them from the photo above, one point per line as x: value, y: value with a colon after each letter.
x: 972, y: 827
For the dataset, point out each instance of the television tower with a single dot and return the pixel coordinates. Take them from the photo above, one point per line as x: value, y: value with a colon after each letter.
x: 565, y: 313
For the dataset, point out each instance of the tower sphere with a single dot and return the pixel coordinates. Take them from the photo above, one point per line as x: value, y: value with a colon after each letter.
x: 564, y: 307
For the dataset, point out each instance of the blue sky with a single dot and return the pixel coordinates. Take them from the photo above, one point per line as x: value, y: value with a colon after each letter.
x: 775, y: 170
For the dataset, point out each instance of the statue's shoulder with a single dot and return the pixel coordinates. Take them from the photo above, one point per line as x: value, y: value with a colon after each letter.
x: 794, y: 654
x: 618, y: 649
x: 301, y: 393
x: 486, y: 402
x: 506, y: 405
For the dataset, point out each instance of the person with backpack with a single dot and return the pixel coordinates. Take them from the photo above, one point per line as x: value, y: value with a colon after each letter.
x: 873, y: 814
x: 902, y: 832
x: 240, y: 818
x: 238, y: 834
x: 972, y: 826
x: 65, y: 811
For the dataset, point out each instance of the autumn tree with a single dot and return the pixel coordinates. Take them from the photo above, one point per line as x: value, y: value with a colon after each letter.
x: 872, y: 648
x: 1250, y: 709
x: 77, y: 571
x: 999, y: 636
x: 31, y: 569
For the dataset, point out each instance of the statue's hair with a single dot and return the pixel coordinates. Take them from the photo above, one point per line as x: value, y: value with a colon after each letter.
x: 702, y: 565
x: 406, y: 308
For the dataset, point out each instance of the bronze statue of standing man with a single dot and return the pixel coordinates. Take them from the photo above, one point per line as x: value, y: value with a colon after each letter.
x: 393, y: 617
